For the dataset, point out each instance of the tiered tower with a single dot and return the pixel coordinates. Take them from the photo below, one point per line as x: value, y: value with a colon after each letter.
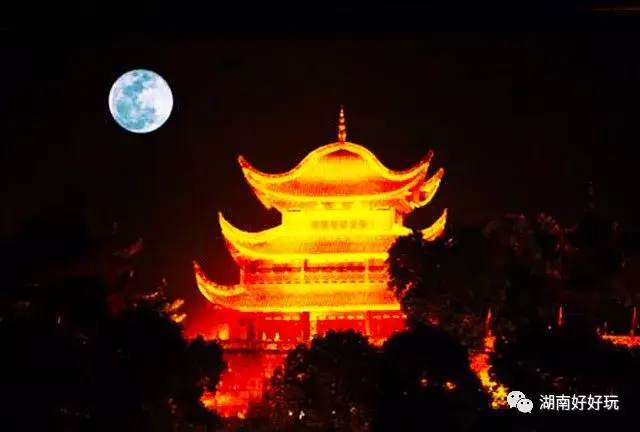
x: 324, y: 266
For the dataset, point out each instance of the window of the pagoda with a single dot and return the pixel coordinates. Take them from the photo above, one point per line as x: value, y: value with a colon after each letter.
x: 339, y: 224
x: 281, y: 328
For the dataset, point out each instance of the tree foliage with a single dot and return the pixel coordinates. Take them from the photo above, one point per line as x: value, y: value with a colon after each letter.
x: 449, y: 281
x: 340, y: 382
x: 426, y: 380
x: 570, y: 360
x: 522, y: 268
x: 329, y: 385
x: 81, y: 351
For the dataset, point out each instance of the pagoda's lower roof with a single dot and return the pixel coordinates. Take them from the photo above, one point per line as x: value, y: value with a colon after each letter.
x: 336, y: 297
x: 251, y: 301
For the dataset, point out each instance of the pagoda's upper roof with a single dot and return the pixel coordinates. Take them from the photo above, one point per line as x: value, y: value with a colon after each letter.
x: 340, y: 171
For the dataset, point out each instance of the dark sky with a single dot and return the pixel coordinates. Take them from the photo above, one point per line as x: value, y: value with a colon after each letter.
x: 521, y: 119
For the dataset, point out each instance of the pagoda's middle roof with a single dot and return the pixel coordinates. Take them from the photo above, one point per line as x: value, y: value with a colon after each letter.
x: 280, y: 244
x: 373, y: 246
x: 335, y: 171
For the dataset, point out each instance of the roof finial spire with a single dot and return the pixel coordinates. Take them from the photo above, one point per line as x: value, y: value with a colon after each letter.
x: 342, y: 126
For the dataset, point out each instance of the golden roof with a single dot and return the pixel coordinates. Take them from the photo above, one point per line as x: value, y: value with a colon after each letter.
x: 286, y: 244
x: 335, y: 297
x: 342, y: 172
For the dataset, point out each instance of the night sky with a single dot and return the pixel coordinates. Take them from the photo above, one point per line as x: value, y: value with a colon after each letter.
x: 520, y: 120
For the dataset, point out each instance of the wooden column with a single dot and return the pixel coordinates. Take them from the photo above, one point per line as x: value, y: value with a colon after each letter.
x: 367, y: 324
x: 313, y: 325
x: 306, y: 326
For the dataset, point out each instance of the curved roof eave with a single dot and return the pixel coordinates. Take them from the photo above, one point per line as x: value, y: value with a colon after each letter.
x: 240, y: 251
x: 212, y: 290
x: 263, y: 193
x: 437, y: 228
x: 235, y: 235
x: 430, y: 187
x: 268, y: 178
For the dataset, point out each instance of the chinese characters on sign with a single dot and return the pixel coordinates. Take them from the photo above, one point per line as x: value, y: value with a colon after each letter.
x: 579, y: 403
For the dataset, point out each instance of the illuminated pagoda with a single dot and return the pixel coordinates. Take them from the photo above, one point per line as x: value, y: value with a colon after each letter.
x: 324, y: 266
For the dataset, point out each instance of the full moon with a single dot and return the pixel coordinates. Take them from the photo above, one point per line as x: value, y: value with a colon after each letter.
x: 140, y: 101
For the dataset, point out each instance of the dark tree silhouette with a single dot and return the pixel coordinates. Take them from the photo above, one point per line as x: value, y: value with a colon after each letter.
x: 546, y: 266
x: 329, y: 385
x: 418, y: 379
x: 426, y: 382
x: 563, y: 359
x: 448, y: 281
x: 82, y: 352
x: 528, y: 263
x: 569, y: 360
x: 526, y: 270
